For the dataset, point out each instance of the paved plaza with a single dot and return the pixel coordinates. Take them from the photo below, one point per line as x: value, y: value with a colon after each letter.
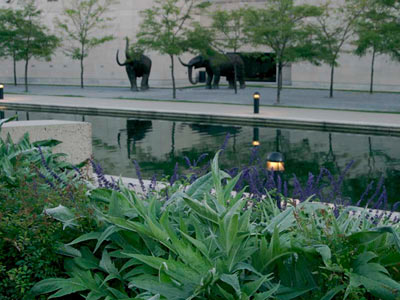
x: 291, y: 97
x: 322, y: 119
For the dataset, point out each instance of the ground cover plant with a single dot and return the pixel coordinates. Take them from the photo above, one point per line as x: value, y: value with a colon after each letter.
x: 206, y: 241
x: 32, y: 178
x: 205, y: 235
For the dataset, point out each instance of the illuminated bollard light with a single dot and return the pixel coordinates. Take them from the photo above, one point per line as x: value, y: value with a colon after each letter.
x: 256, y: 98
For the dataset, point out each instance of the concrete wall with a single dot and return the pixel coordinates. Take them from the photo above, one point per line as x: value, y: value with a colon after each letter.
x: 76, y: 137
x: 101, y: 68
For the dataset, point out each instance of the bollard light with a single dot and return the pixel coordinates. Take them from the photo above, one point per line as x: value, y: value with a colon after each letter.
x: 276, y: 162
x: 256, y: 98
x: 1, y: 92
x: 256, y: 137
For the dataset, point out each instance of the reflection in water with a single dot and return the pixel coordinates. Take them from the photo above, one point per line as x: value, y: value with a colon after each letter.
x: 135, y: 131
x: 256, y: 137
x: 159, y: 145
x: 371, y: 158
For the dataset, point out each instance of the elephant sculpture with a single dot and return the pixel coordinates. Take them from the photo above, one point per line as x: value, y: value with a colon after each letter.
x: 216, y: 66
x: 136, y: 65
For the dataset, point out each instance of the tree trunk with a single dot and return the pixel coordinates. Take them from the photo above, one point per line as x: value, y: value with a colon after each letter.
x: 279, y: 83
x: 82, y: 86
x: 235, y: 77
x: 173, y: 77
x: 15, y: 68
x: 26, y: 74
x: 82, y: 67
x: 332, y: 76
x: 371, y: 87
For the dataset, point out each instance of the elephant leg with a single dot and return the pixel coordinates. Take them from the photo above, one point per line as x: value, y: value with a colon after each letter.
x: 129, y: 73
x: 209, y: 79
x: 134, y: 84
x: 145, y: 82
x: 132, y: 77
x: 231, y: 81
x: 241, y: 77
x: 217, y: 77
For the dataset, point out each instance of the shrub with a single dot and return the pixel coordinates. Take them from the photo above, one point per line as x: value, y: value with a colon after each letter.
x: 206, y: 242
x: 32, y: 178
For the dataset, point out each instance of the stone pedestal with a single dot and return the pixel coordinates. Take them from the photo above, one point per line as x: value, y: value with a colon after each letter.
x: 76, y: 137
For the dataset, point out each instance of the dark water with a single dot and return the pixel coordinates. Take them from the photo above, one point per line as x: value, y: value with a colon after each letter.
x: 159, y: 145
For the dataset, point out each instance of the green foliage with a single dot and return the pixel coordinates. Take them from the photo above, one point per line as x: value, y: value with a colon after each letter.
x: 206, y: 242
x: 229, y: 26
x: 10, y: 43
x: 28, y: 238
x: 336, y: 27
x: 376, y: 30
x: 81, y: 21
x: 285, y: 28
x: 25, y: 37
x: 164, y: 26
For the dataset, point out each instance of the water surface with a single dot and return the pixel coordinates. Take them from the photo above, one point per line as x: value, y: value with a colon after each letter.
x: 158, y: 145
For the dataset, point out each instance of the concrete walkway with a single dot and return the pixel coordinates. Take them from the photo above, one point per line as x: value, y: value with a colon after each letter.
x: 344, y: 100
x: 333, y: 120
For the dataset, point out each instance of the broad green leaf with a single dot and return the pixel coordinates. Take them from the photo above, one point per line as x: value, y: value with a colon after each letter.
x: 202, y: 209
x: 63, y: 286
x: 233, y: 281
x: 333, y: 292
x: 252, y: 287
x: 283, y: 221
x: 201, y: 186
x: 62, y: 214
x: 105, y: 235
x: 46, y: 143
x: 86, y: 237
x: 153, y: 285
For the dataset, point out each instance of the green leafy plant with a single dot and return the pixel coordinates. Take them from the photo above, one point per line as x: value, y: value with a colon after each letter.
x: 28, y: 238
x: 208, y: 242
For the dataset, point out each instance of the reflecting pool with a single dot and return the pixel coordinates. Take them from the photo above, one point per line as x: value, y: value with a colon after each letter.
x: 158, y: 145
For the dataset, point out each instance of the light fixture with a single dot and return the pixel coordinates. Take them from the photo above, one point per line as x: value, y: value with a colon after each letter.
x: 256, y: 99
x: 276, y: 162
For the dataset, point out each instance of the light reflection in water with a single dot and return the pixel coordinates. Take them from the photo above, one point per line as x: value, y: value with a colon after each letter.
x: 159, y: 145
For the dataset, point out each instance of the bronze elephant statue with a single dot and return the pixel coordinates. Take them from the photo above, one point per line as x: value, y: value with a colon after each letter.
x: 136, y: 65
x: 216, y: 66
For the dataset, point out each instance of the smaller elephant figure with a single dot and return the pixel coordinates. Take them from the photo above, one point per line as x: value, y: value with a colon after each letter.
x: 136, y: 65
x: 216, y: 66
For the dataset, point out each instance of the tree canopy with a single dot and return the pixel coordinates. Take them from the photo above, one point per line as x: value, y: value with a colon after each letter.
x: 164, y: 28
x: 81, y: 25
x: 283, y: 27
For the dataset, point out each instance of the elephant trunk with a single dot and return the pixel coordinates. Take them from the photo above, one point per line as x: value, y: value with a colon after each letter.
x: 190, y: 69
x: 127, y: 49
x: 182, y: 63
x: 118, y: 62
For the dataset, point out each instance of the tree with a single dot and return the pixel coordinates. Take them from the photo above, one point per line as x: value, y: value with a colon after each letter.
x: 35, y: 41
x: 163, y: 28
x: 336, y: 27
x: 229, y: 29
x: 374, y: 31
x: 81, y: 21
x: 282, y: 26
x: 10, y: 43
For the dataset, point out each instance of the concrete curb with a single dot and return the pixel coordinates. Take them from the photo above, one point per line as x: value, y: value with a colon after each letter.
x: 249, y: 120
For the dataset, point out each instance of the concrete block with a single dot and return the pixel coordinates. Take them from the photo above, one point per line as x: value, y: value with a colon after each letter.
x: 76, y: 137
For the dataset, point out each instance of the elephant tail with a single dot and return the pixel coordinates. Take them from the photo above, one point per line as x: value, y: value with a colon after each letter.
x: 118, y: 62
